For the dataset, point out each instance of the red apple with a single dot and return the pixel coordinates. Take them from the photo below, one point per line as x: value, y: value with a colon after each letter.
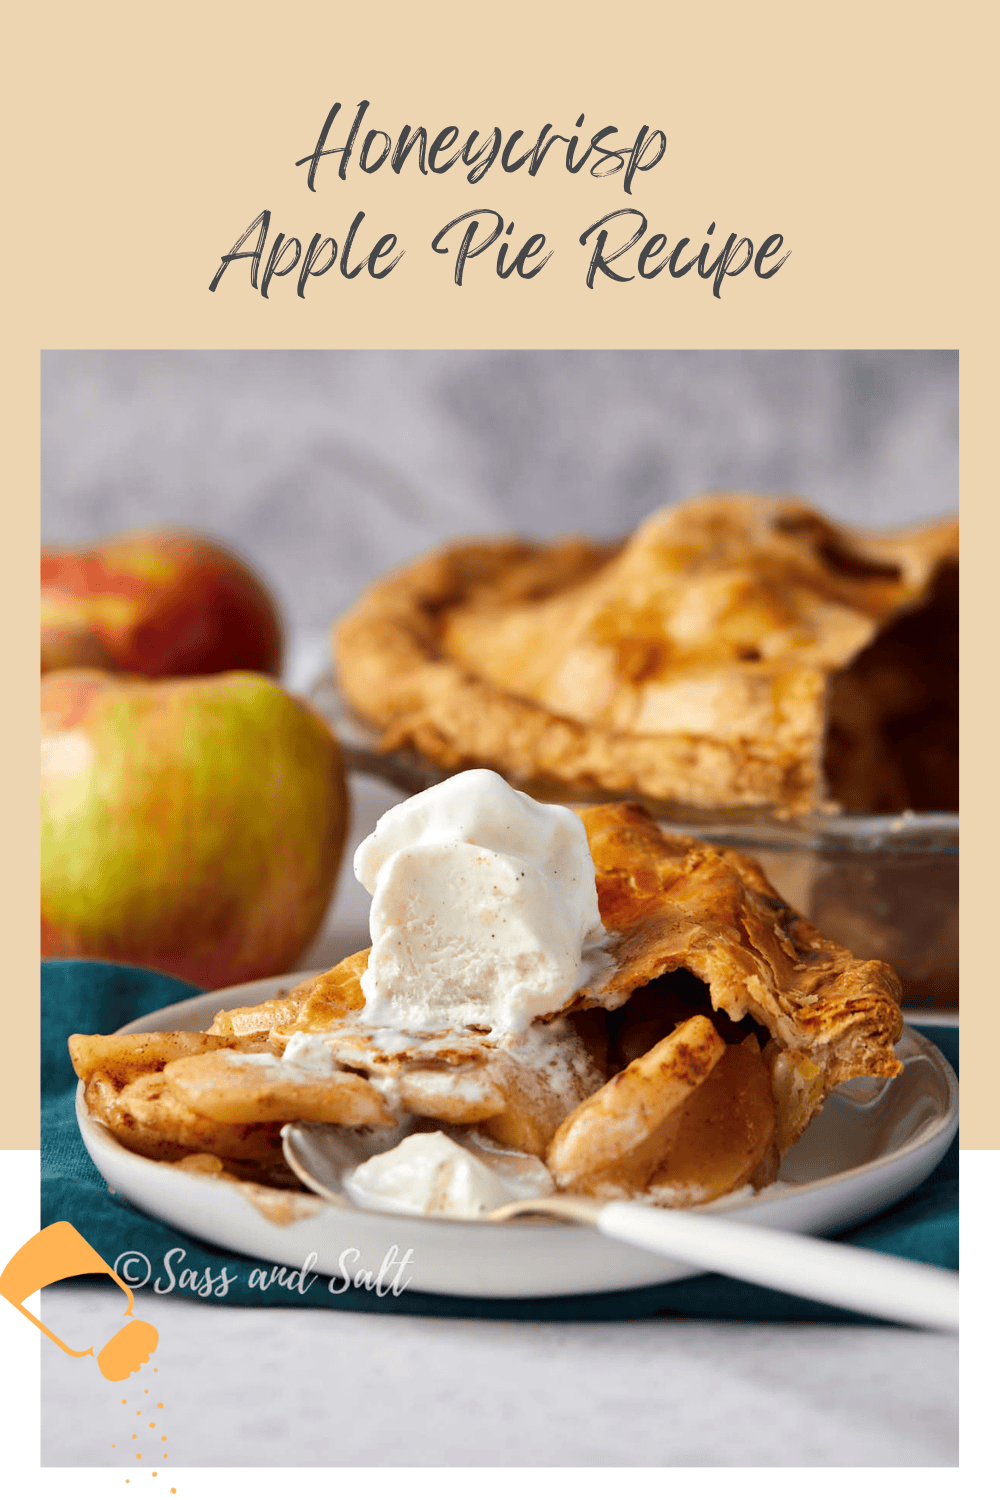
x: 160, y: 603
x: 193, y: 825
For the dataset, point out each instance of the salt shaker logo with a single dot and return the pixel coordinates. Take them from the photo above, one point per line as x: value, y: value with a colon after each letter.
x: 59, y: 1251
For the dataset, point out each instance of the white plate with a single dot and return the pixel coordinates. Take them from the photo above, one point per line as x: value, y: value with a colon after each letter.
x: 873, y: 1143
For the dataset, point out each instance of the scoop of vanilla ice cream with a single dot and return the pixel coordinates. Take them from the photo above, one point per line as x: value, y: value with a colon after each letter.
x: 484, y: 908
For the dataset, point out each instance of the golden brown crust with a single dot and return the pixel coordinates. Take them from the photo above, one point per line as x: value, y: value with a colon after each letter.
x: 691, y: 665
x: 671, y: 902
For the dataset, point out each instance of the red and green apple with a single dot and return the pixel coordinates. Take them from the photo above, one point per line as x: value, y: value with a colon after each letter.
x: 193, y: 825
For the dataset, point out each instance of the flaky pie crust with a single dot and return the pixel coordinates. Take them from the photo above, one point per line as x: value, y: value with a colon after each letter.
x: 697, y: 663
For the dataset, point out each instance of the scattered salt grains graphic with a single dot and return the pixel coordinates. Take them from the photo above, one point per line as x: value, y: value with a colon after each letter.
x: 162, y: 1455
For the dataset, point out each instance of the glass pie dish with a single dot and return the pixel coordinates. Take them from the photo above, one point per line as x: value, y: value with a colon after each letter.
x: 884, y: 886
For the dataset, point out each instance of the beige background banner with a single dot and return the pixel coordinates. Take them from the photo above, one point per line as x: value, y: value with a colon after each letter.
x: 143, y: 146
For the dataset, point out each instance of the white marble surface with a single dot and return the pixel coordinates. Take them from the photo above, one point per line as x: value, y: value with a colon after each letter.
x: 249, y: 1387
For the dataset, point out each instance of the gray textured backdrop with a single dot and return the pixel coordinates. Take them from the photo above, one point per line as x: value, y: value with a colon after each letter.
x: 328, y: 467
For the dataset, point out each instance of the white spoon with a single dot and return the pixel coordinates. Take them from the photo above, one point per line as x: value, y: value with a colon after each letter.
x: 866, y: 1281
x: 883, y: 1286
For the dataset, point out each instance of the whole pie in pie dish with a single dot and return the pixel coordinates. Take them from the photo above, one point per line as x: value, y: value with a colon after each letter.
x: 734, y: 652
x: 682, y: 1071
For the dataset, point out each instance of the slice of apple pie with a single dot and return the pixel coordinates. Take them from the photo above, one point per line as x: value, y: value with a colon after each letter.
x: 733, y: 652
x: 683, y: 1070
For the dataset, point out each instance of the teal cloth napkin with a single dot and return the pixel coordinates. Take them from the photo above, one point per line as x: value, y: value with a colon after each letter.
x: 80, y: 996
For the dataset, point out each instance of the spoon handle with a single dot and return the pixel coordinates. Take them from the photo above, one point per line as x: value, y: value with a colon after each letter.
x: 884, y: 1286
